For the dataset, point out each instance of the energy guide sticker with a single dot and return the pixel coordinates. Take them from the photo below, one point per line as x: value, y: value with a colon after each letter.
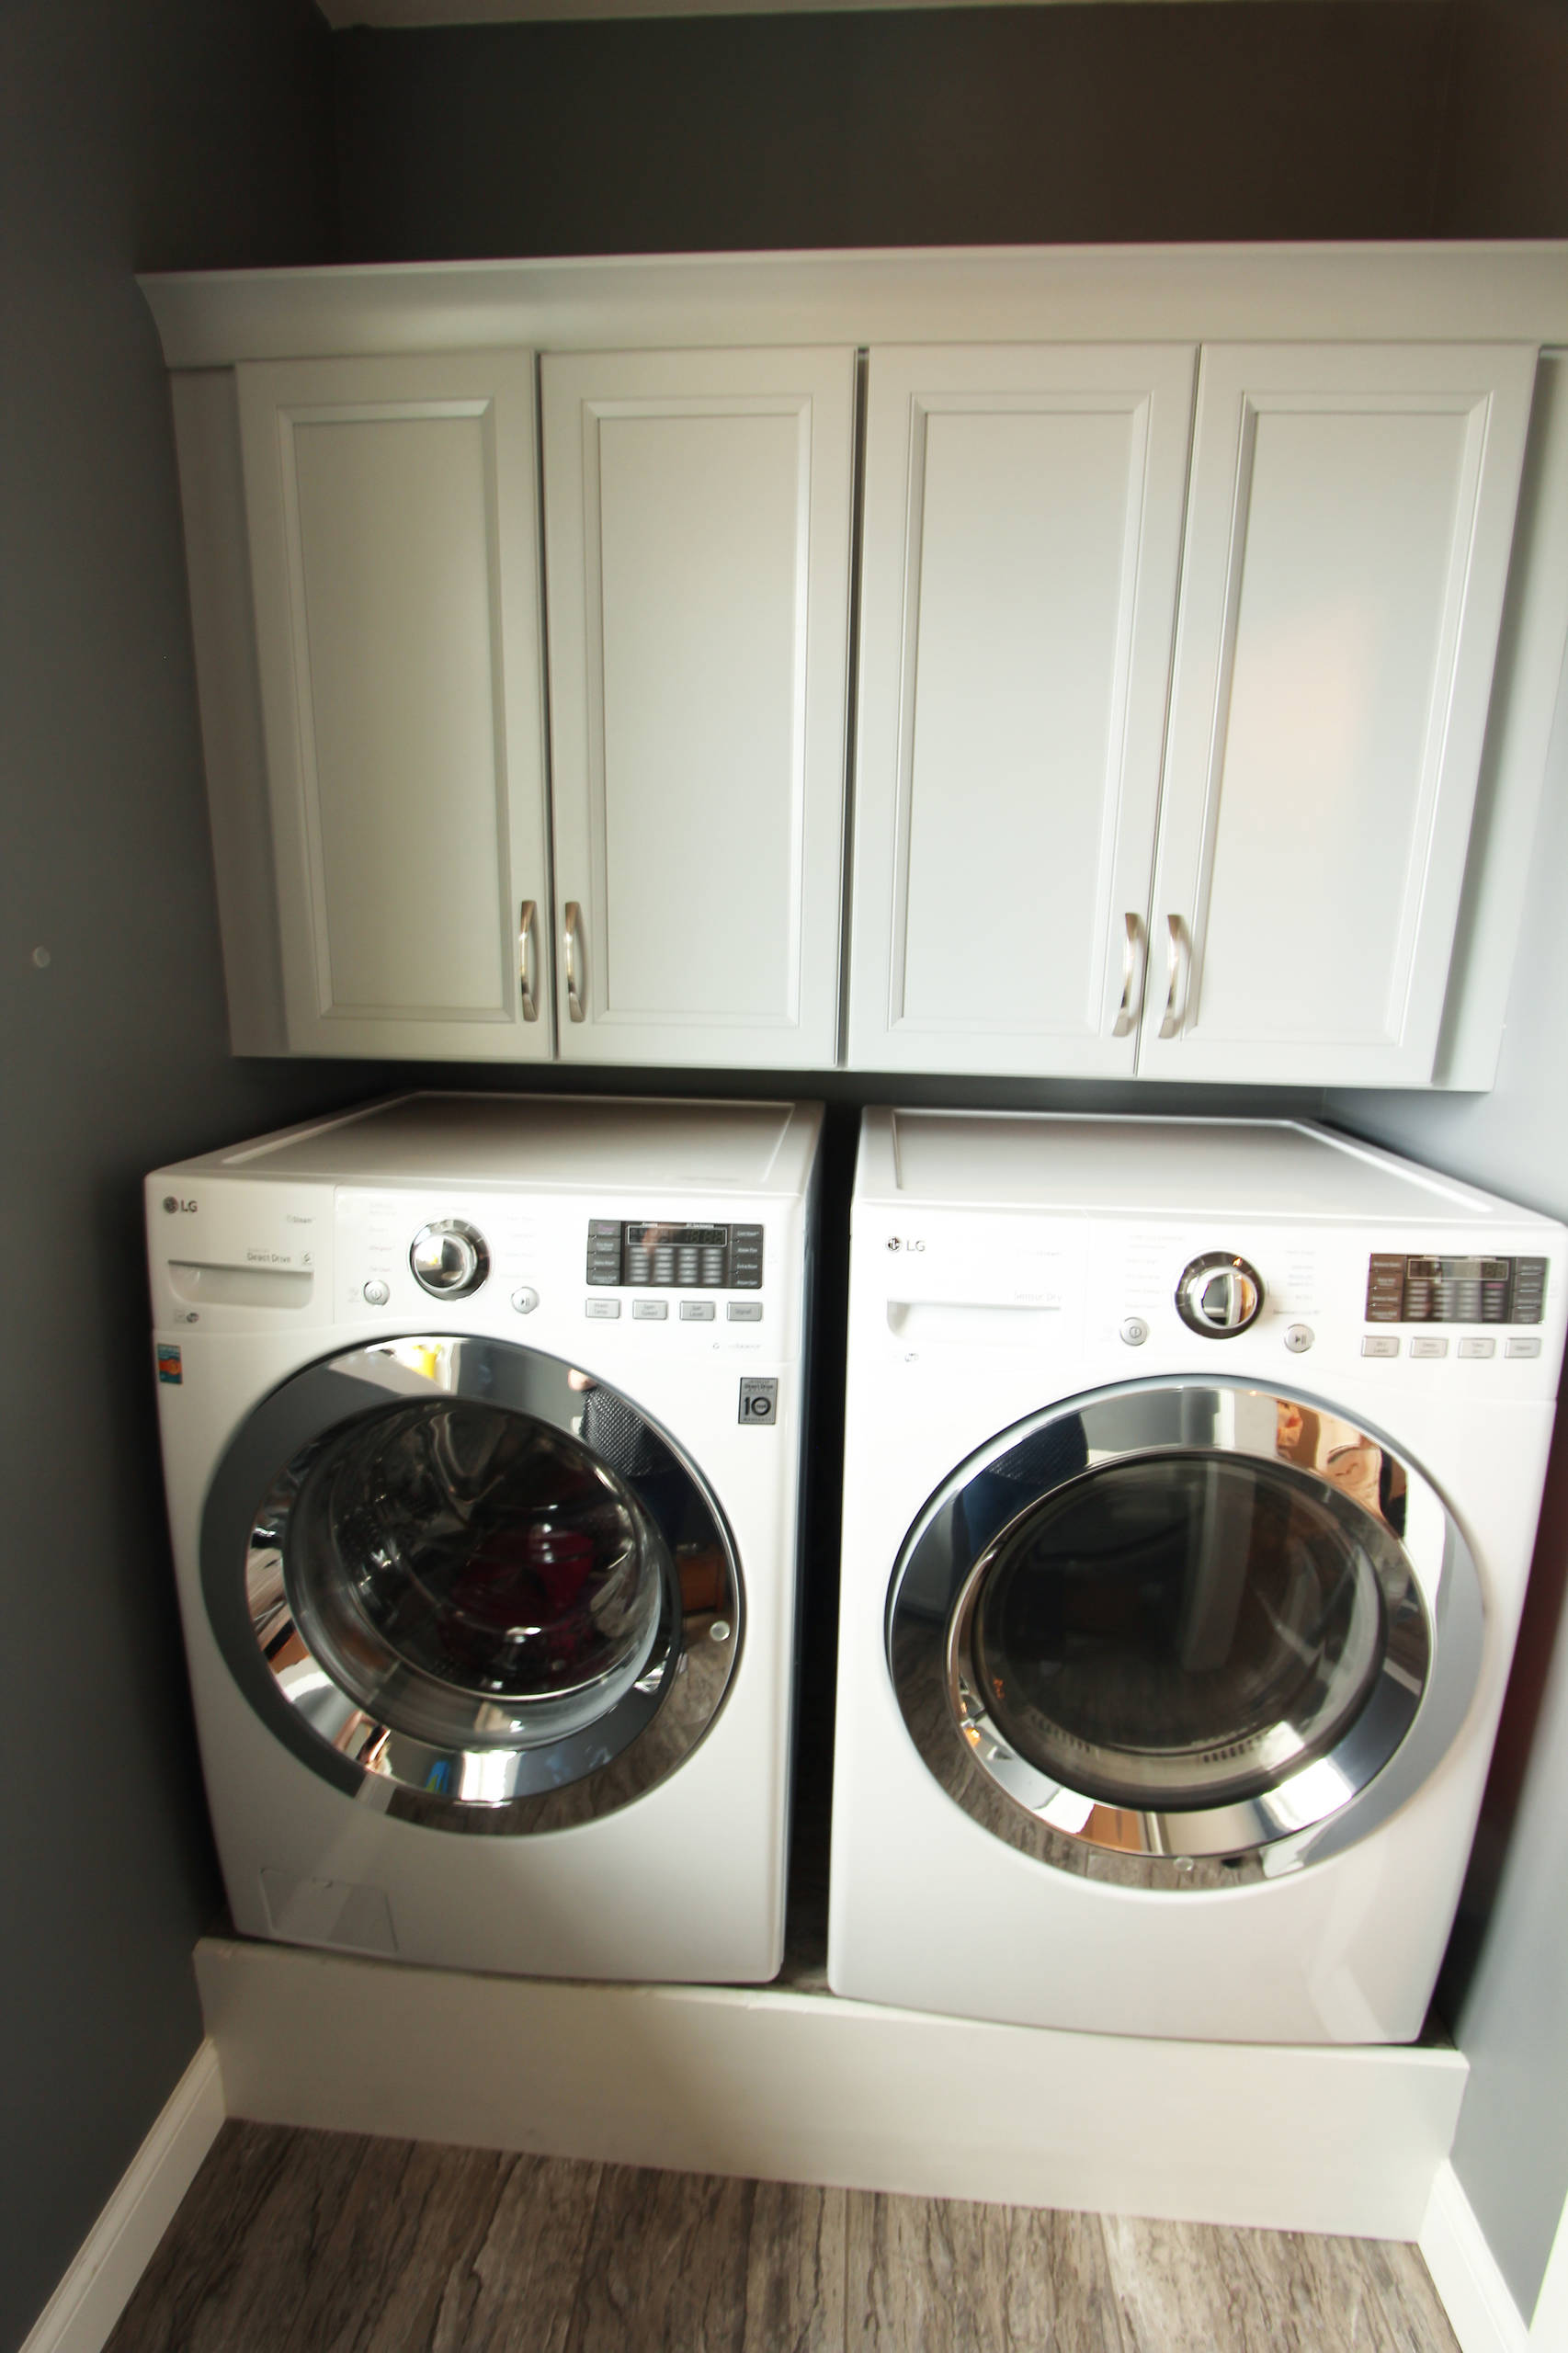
x: 169, y: 1365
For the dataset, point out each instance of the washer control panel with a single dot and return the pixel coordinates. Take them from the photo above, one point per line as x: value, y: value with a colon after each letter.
x: 1406, y: 1290
x: 639, y: 1251
x: 500, y: 1261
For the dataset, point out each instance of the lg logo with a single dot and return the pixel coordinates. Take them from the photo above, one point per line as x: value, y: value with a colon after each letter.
x: 896, y: 1243
x: 173, y: 1203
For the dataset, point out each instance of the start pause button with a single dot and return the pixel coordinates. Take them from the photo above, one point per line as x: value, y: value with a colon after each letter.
x: 759, y: 1401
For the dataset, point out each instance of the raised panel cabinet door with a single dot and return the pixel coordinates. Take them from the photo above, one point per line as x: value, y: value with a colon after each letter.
x: 697, y: 534
x: 391, y: 510
x: 1023, y: 516
x: 1348, y: 544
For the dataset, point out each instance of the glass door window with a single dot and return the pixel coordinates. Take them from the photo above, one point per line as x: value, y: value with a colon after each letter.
x: 473, y: 1577
x: 1175, y: 1629
x: 1171, y: 1633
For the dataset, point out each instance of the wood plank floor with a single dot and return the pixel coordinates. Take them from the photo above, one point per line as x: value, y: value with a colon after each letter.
x: 324, y: 2243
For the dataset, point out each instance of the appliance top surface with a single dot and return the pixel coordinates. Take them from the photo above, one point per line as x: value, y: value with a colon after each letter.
x: 1156, y: 1168
x: 543, y: 1140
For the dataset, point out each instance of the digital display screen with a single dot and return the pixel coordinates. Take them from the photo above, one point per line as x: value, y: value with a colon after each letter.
x: 645, y: 1237
x: 1458, y: 1270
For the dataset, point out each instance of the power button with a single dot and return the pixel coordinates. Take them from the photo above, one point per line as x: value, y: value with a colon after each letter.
x: 376, y: 1293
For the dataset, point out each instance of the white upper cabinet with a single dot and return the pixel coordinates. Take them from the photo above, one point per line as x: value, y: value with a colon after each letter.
x: 1202, y: 682
x: 391, y: 519
x: 697, y: 512
x: 1347, y: 542
x: 1023, y: 518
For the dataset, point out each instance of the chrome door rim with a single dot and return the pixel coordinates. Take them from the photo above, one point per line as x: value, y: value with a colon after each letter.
x: 492, y: 1788
x: 1333, y: 1799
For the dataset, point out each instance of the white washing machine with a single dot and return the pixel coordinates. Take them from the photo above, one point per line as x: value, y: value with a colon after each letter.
x: 482, y: 1423
x: 1192, y: 1471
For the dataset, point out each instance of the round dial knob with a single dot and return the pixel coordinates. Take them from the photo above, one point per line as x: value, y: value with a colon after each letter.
x: 449, y: 1258
x: 1219, y: 1295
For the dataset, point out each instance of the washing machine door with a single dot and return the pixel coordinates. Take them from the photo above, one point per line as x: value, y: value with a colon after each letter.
x: 470, y: 1584
x: 1182, y: 1634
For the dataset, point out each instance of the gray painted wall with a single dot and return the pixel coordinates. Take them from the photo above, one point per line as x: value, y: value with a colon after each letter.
x: 1507, y: 1988
x: 1304, y: 118
x: 163, y: 132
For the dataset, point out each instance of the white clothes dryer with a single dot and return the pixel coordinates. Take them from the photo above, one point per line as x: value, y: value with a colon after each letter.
x: 1192, y: 1473
x: 481, y: 1422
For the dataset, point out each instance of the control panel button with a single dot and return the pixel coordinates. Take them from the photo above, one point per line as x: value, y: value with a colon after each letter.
x: 1427, y: 1344
x: 602, y: 1310
x: 697, y: 1311
x: 1134, y: 1331
x: 525, y: 1299
x: 1385, y: 1287
x: 1299, y: 1338
x: 1380, y: 1344
x: 604, y: 1250
x: 649, y: 1310
x: 1529, y: 1291
x: 1521, y: 1347
x: 1478, y: 1347
x: 376, y: 1293
x: 746, y: 1262
x: 744, y: 1311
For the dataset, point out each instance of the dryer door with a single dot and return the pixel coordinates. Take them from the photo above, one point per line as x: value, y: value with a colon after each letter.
x: 1183, y: 1633
x: 470, y: 1584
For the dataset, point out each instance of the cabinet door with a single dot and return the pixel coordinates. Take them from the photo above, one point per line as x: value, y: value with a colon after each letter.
x: 1023, y: 517
x: 697, y: 521
x: 394, y: 559
x: 1348, y: 544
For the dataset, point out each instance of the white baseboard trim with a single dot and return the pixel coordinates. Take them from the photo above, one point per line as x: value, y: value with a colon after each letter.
x: 790, y: 2086
x: 1482, y: 2312
x: 83, y: 2310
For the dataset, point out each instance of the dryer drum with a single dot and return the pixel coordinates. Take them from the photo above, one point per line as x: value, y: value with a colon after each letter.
x: 478, y: 1589
x: 1183, y: 1633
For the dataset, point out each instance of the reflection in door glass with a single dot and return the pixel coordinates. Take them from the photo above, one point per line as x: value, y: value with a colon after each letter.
x: 1180, y: 1629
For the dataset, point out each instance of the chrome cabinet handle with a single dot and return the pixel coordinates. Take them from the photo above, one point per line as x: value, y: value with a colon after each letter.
x: 574, y: 977
x: 1134, y: 965
x: 1178, y: 948
x: 526, y: 961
